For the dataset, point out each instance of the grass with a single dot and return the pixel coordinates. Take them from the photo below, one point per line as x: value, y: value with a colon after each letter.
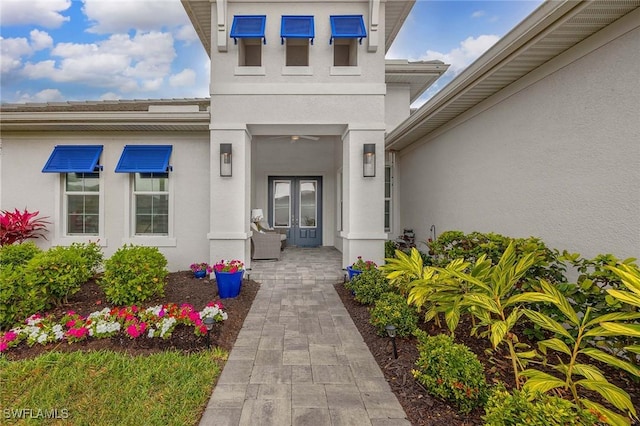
x: 108, y: 388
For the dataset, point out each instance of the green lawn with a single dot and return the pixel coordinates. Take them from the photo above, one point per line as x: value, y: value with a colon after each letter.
x: 107, y: 388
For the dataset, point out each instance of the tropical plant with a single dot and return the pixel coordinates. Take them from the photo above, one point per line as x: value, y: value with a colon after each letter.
x: 578, y: 329
x: 392, y: 309
x: 630, y: 276
x: 405, y: 270
x: 495, y: 301
x: 450, y: 371
x: 18, y: 226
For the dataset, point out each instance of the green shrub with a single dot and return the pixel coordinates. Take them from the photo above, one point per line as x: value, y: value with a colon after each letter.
x: 392, y: 309
x: 18, y: 254
x: 134, y: 274
x: 60, y: 271
x: 369, y: 286
x: 91, y: 253
x: 19, y: 298
x: 450, y: 371
x: 389, y: 249
x: 522, y: 408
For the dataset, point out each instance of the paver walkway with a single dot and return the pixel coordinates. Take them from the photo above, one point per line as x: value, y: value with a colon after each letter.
x: 299, y: 358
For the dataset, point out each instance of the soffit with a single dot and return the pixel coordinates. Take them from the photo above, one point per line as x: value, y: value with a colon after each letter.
x: 418, y: 75
x: 199, y: 12
x: 550, y: 30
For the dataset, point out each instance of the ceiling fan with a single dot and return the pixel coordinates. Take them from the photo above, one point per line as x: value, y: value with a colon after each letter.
x: 296, y: 138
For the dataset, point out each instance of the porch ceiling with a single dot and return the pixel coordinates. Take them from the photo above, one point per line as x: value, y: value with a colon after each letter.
x: 199, y: 12
x: 550, y: 30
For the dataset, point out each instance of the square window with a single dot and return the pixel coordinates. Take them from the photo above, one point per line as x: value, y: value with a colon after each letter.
x: 250, y: 52
x: 297, y: 52
x: 345, y: 52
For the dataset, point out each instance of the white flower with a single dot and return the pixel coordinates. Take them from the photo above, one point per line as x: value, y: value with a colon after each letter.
x: 155, y: 310
x: 42, y: 338
x: 58, y: 332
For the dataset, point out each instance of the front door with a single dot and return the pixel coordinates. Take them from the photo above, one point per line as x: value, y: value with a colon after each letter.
x: 295, y: 205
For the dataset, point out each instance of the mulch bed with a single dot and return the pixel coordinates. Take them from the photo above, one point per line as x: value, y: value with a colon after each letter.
x: 182, y: 287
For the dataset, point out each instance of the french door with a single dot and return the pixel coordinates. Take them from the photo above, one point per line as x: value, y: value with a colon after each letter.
x: 295, y: 204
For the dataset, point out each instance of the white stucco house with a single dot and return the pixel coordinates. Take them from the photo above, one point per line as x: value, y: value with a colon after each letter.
x: 308, y: 122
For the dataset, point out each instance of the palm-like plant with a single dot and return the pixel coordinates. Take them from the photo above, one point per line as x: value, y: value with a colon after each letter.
x: 578, y: 375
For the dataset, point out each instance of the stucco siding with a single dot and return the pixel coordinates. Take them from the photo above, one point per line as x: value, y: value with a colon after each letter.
x: 24, y: 185
x: 559, y: 159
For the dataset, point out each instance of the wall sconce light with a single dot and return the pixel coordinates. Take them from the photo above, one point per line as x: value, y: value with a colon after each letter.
x: 225, y: 159
x: 369, y: 160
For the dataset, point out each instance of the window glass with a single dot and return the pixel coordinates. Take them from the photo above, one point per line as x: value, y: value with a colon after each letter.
x: 82, y: 203
x: 151, y: 200
x: 282, y: 203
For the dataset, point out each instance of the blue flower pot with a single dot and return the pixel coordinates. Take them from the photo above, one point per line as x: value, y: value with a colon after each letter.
x: 200, y: 274
x: 229, y: 283
x: 353, y: 272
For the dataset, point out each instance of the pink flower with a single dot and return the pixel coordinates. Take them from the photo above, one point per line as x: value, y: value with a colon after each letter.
x: 70, y: 323
x: 10, y: 336
x: 3, y: 346
x: 78, y: 333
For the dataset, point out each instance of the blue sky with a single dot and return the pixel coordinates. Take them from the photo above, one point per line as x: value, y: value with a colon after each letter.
x: 63, y: 50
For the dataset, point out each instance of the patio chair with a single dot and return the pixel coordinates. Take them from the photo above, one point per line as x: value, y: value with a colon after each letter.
x: 265, y: 245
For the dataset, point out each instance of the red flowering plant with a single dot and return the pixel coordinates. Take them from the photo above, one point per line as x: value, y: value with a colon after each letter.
x: 17, y: 226
x: 202, y: 266
x: 228, y: 266
x: 132, y: 321
x: 363, y: 265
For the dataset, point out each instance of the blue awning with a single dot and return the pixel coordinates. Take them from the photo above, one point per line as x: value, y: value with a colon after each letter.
x: 248, y: 26
x: 347, y: 26
x: 73, y: 159
x: 297, y: 27
x: 144, y: 159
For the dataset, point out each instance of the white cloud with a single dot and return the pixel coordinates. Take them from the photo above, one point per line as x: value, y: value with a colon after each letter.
x: 187, y: 34
x: 46, y: 95
x: 186, y: 77
x: 478, y: 14
x: 121, y: 62
x: 13, y: 50
x: 460, y: 57
x: 109, y: 96
x: 46, y: 13
x: 120, y: 16
x: 40, y: 40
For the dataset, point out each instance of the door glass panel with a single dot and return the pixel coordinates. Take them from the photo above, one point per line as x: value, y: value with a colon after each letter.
x: 308, y: 210
x: 282, y: 203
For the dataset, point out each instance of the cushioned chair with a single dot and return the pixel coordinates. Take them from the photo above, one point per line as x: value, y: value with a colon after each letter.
x: 265, y: 245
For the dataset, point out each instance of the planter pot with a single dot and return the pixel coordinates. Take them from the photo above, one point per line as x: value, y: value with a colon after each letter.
x: 229, y: 283
x: 353, y: 272
x: 200, y: 274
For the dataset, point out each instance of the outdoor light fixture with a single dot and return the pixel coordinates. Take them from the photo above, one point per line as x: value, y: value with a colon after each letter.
x: 391, y: 332
x: 369, y: 160
x: 256, y: 215
x: 225, y: 159
x: 208, y: 323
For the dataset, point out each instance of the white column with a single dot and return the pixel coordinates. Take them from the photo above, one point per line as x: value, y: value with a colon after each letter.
x: 230, y: 196
x: 363, y: 227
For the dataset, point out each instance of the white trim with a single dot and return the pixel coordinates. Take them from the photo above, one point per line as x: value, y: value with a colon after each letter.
x: 297, y: 70
x: 250, y: 71
x: 222, y: 41
x: 60, y: 236
x: 284, y: 89
x: 355, y: 70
